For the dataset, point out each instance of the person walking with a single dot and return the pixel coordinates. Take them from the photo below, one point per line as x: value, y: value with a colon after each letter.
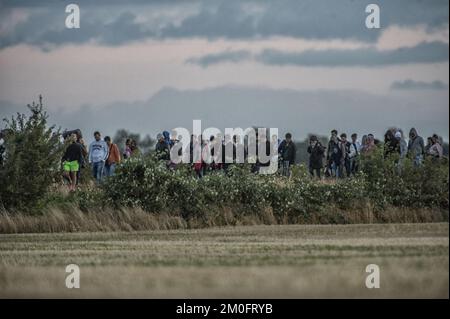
x: 416, y: 147
x: 162, y: 149
x: 127, y: 151
x: 435, y: 151
x: 391, y: 144
x: 113, y: 157
x: 98, y: 154
x: 334, y: 156
x: 316, y: 153
x: 344, y: 146
x: 353, y: 155
x: 288, y: 151
x: 71, y: 161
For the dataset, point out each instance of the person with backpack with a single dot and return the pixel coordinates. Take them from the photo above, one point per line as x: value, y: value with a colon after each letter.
x: 71, y: 161
x: 98, y: 154
x: 162, y: 149
x: 167, y: 139
x: 113, y: 157
x: 288, y: 151
x: 330, y: 168
x: 391, y: 144
x: 84, y: 157
x: 316, y: 151
x: 334, y: 155
x: 345, y: 152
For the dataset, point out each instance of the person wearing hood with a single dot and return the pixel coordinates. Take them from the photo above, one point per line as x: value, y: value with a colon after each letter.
x: 167, y: 139
x: 403, y: 146
x: 402, y: 149
x: 416, y: 147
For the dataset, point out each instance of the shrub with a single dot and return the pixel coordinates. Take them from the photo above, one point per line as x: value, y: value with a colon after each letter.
x: 32, y: 158
x: 405, y: 185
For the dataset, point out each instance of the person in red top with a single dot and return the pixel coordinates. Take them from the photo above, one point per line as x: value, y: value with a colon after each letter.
x: 113, y: 157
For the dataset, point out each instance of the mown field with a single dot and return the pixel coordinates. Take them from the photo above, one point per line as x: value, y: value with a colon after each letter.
x: 290, y: 261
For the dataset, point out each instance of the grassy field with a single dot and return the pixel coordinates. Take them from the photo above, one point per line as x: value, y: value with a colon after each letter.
x: 290, y: 261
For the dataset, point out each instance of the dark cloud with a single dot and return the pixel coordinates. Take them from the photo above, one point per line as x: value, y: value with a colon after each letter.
x: 418, y: 85
x: 113, y: 22
x: 309, y: 19
x: 367, y: 57
x: 221, y: 57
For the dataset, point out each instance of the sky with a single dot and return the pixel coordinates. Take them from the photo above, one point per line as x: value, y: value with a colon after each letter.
x: 303, y: 66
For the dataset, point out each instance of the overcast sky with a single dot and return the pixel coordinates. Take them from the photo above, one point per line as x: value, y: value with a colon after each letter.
x: 300, y: 65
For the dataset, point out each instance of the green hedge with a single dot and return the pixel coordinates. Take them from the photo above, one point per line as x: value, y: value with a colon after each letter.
x: 147, y: 184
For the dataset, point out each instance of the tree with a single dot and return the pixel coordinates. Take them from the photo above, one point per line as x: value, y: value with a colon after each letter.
x: 32, y: 159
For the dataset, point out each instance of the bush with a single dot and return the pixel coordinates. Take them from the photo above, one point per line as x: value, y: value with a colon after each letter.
x: 148, y: 184
x: 401, y: 184
x: 32, y: 158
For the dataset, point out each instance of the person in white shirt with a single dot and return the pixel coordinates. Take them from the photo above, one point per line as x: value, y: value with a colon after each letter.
x: 355, y: 149
x: 98, y: 154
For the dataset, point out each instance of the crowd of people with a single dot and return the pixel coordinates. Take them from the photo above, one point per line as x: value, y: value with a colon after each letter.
x: 338, y: 159
x: 343, y: 155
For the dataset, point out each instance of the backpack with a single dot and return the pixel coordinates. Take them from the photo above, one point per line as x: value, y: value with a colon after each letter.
x: 336, y: 152
x: 347, y: 148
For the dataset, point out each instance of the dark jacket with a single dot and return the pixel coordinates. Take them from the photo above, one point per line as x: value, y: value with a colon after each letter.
x: 335, y: 152
x: 416, y: 145
x: 391, y: 144
x: 331, y: 145
x: 316, y: 156
x: 73, y: 153
x: 287, y: 151
x: 162, y: 151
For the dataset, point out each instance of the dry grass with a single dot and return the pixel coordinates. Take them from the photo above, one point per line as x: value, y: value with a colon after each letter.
x: 292, y: 261
x: 72, y: 219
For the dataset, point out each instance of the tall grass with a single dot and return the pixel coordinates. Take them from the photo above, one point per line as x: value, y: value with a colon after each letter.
x: 72, y: 219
